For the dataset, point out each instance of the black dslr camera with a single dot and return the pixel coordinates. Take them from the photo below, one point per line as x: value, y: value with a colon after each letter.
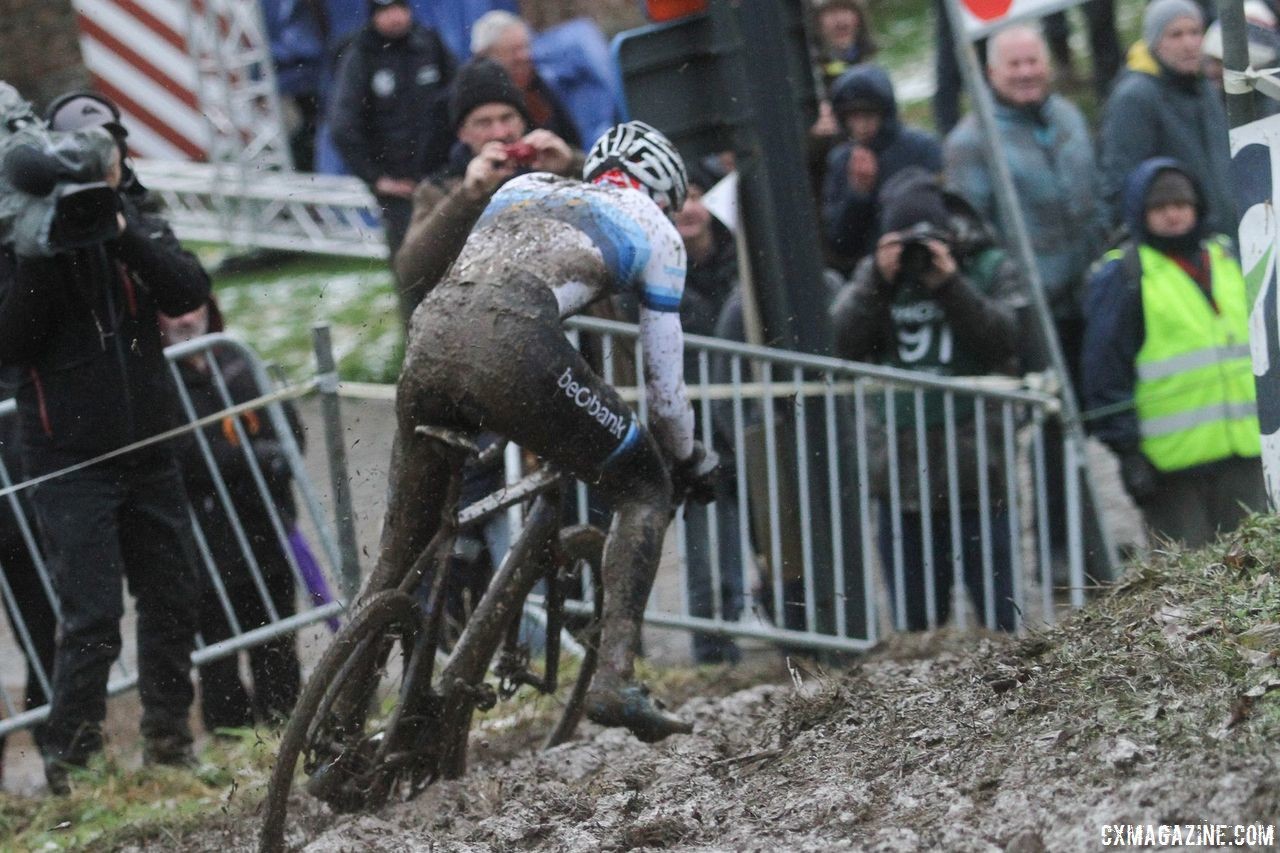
x: 917, y: 257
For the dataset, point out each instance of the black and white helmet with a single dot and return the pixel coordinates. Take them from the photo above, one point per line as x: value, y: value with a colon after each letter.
x: 646, y: 155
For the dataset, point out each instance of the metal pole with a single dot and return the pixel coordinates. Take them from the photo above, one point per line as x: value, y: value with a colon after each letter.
x: 331, y: 411
x: 1235, y: 57
x: 1011, y: 213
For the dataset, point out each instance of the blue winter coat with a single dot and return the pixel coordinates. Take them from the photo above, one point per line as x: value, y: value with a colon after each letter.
x: 851, y: 219
x: 1050, y: 156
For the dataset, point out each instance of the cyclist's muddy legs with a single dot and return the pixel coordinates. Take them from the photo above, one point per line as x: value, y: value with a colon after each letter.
x: 642, y: 512
x: 416, y: 490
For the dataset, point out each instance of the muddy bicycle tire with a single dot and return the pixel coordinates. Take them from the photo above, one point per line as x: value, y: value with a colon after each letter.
x: 584, y: 542
x: 374, y: 620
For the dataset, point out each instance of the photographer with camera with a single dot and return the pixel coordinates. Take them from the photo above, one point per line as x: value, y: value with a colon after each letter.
x: 79, y: 324
x: 936, y: 296
x: 497, y: 140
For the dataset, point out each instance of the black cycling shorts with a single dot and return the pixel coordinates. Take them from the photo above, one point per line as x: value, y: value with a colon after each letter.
x: 493, y: 356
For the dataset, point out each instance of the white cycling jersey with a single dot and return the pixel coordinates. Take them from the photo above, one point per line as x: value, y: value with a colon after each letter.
x: 585, y: 241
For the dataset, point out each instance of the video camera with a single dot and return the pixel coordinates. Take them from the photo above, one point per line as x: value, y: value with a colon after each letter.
x: 52, y: 193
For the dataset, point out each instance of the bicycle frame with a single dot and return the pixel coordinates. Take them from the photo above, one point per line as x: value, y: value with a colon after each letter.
x: 491, y: 623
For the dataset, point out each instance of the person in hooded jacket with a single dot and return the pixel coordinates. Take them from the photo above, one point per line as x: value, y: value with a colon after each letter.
x: 80, y: 326
x: 1167, y: 369
x: 879, y: 146
x: 386, y: 113
x: 937, y: 296
x: 225, y: 701
x: 1173, y: 112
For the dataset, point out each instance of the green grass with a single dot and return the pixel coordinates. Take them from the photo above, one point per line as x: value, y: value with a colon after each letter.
x: 110, y: 806
x: 274, y: 308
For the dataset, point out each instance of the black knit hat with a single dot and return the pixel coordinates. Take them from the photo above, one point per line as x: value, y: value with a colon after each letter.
x: 480, y: 82
x: 1171, y: 187
x: 910, y: 197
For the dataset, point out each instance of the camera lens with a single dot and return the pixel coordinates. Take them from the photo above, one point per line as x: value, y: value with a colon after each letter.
x: 916, y: 259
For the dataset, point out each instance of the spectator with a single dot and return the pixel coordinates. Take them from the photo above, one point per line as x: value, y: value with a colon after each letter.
x: 843, y: 33
x: 225, y: 702
x: 297, y: 32
x: 844, y: 38
x: 487, y: 112
x: 386, y: 112
x: 710, y: 279
x: 1168, y: 332
x: 879, y: 147
x: 505, y: 39
x: 1171, y: 113
x: 1050, y: 155
x: 1104, y: 43
x: 30, y: 604
x: 1046, y: 143
x: 937, y: 296
x: 81, y: 327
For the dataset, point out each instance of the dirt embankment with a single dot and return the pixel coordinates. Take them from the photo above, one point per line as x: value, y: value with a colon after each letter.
x: 1159, y: 704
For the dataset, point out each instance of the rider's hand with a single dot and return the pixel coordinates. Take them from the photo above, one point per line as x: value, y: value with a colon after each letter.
x: 487, y: 170
x: 553, y: 153
x: 694, y: 478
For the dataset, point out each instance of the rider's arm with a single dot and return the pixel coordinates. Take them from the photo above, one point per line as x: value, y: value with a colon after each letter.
x: 662, y: 337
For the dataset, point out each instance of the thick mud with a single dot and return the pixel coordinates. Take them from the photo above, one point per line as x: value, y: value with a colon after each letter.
x: 1158, y: 704
x: 949, y: 752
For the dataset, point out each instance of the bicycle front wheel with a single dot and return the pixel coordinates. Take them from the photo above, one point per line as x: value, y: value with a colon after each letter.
x: 328, y: 723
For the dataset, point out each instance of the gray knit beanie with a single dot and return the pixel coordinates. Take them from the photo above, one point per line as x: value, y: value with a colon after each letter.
x: 1162, y: 13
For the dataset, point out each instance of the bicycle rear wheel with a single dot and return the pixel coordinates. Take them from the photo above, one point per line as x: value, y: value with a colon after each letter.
x: 333, y: 741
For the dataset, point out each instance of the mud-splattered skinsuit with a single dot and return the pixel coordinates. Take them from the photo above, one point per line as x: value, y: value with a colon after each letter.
x: 486, y: 351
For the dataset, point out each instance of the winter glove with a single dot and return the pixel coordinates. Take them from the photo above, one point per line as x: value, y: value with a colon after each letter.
x: 1141, y: 479
x: 694, y: 478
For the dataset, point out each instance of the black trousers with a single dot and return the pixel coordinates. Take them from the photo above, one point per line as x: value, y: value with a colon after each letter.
x: 100, y: 527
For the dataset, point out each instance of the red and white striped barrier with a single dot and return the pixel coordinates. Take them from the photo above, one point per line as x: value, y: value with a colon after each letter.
x: 136, y: 52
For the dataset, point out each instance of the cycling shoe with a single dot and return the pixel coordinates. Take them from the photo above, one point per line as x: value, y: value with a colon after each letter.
x: 632, y: 708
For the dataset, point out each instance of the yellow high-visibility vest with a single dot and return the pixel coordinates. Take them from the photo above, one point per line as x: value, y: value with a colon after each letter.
x: 1195, y: 390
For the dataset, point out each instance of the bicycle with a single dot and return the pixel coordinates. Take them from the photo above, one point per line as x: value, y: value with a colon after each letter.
x: 357, y: 760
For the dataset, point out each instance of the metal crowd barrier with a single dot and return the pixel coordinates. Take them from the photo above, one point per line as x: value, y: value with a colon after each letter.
x: 332, y: 539
x: 807, y: 518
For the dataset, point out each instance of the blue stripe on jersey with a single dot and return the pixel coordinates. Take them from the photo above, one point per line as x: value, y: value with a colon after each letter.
x: 660, y: 299
x: 621, y: 241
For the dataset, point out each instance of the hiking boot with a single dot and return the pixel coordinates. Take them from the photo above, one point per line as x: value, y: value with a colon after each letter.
x: 168, y: 751
x: 631, y: 707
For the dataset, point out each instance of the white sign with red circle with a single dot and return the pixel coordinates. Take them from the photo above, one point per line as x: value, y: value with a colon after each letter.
x: 983, y: 16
